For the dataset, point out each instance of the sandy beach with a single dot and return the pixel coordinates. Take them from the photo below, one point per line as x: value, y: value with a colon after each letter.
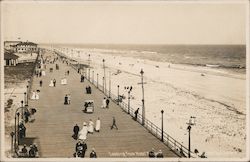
x: 214, y: 96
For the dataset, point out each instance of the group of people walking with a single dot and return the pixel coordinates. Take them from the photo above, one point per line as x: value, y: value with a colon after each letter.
x: 105, y: 103
x: 67, y: 99
x: 52, y: 83
x: 32, y: 153
x: 87, y: 128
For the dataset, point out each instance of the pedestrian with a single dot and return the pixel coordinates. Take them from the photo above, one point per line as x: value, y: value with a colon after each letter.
x: 159, y: 154
x: 151, y: 153
x: 68, y: 72
x: 66, y: 100
x: 32, y: 152
x: 69, y: 99
x: 98, y: 125
x: 91, y: 127
x: 41, y: 83
x: 40, y: 74
x: 107, y: 103
x: 54, y: 82
x: 82, y: 135
x: 136, y: 113
x: 93, y: 153
x: 104, y: 102
x: 76, y: 131
x: 114, y: 124
x: 24, y: 151
x: 81, y: 148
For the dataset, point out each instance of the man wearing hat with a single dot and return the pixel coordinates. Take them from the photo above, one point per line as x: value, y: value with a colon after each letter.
x: 81, y: 148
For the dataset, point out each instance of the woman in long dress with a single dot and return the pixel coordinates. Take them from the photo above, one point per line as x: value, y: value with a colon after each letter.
x: 91, y: 126
x: 36, y: 96
x: 98, y: 125
x: 83, y: 132
x: 33, y: 96
x: 104, y: 103
x: 51, y: 83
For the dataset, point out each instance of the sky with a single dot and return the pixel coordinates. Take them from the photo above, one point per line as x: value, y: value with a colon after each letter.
x: 124, y: 22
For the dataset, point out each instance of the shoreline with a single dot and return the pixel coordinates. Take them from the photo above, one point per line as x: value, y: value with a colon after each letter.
x: 182, y: 91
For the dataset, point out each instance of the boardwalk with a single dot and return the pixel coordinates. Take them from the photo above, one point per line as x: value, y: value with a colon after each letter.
x: 52, y: 129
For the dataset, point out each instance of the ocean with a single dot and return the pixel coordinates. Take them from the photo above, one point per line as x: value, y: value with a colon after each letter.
x: 231, y: 57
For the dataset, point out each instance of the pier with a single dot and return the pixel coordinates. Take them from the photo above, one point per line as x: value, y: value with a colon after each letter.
x: 52, y: 129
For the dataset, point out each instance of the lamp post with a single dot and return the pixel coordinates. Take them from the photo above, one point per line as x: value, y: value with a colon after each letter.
x: 89, y: 74
x: 97, y: 80
x: 12, y: 136
x: 103, y: 85
x: 143, y: 101
x: 18, y: 135
x: 162, y: 111
x: 27, y: 95
x: 129, y: 90
x: 104, y: 76
x: 109, y: 83
x: 118, y: 95
x: 24, y: 98
x: 22, y: 108
x: 190, y: 123
x: 93, y: 80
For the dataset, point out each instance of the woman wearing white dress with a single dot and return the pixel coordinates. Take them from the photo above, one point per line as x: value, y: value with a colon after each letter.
x: 33, y: 96
x: 83, y: 132
x: 104, y: 103
x: 51, y: 83
x: 36, y: 96
x: 91, y: 127
x: 98, y: 125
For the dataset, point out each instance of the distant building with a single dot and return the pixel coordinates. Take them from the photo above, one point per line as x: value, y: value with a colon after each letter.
x: 10, y: 59
x: 11, y: 45
x: 26, y: 47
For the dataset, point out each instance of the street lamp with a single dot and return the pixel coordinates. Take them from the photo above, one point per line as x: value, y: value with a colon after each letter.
x: 190, y: 123
x: 97, y: 80
x: 109, y: 84
x: 129, y: 90
x: 27, y: 95
x: 18, y: 135
x: 12, y: 136
x: 93, y: 79
x: 25, y: 103
x: 162, y: 111
x: 118, y: 95
x: 103, y: 85
x: 143, y: 101
x: 104, y: 76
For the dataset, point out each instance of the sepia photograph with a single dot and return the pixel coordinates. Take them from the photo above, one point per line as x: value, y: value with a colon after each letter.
x: 125, y: 80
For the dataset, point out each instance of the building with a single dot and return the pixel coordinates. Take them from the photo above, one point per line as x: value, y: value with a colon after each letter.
x: 11, y: 45
x: 10, y: 59
x: 26, y: 47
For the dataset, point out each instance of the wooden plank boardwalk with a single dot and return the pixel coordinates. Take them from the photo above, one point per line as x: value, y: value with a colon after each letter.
x: 54, y: 121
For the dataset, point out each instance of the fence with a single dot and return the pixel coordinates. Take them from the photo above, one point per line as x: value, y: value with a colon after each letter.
x: 169, y: 141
